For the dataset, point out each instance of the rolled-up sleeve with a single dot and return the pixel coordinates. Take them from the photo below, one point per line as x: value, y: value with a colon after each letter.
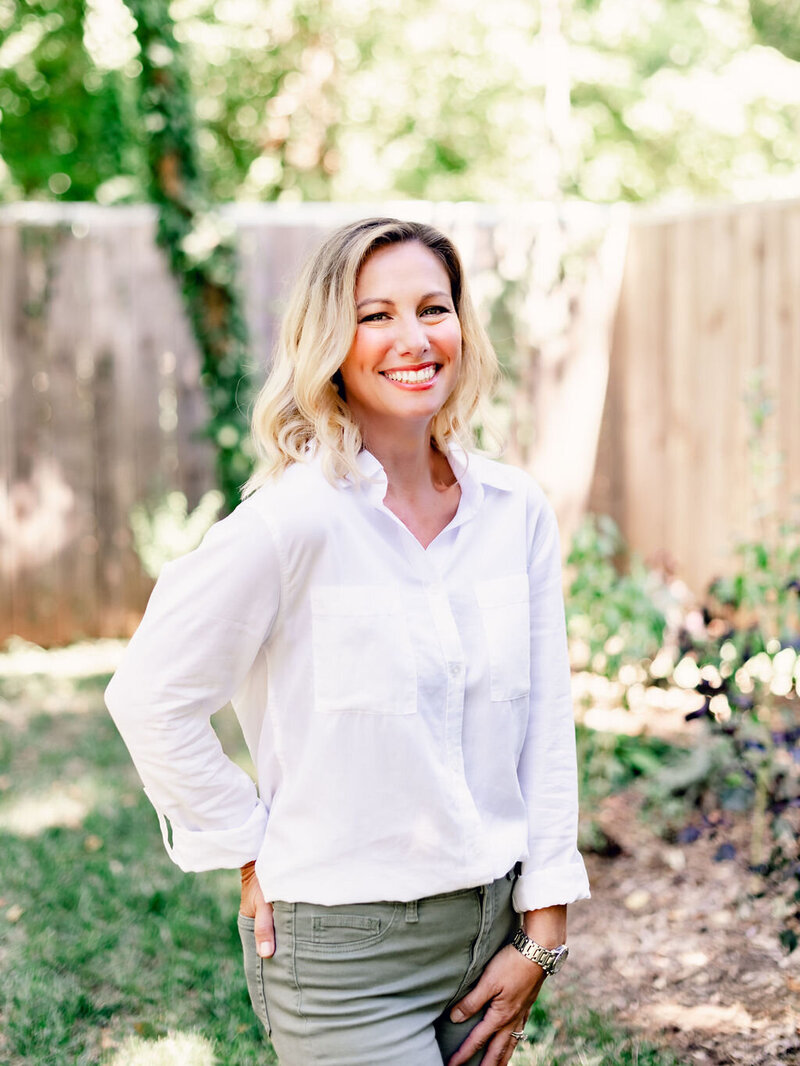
x: 207, y: 621
x: 554, y: 872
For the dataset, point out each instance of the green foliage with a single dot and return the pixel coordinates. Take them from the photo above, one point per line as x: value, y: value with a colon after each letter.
x: 200, y: 247
x: 166, y: 530
x: 370, y: 100
x: 739, y: 654
x: 777, y: 23
x: 609, y: 762
x: 66, y: 126
x: 744, y: 657
x: 331, y: 99
x: 613, y: 616
x: 762, y: 594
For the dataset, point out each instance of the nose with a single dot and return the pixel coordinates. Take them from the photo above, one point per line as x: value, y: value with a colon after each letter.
x: 411, y: 337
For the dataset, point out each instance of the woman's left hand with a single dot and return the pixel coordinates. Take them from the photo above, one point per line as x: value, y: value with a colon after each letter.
x: 509, y: 984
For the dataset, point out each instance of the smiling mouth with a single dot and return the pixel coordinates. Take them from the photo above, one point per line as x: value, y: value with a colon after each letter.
x: 419, y: 376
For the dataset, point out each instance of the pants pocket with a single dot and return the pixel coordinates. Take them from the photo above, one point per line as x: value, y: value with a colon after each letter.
x: 253, y: 966
x: 323, y: 932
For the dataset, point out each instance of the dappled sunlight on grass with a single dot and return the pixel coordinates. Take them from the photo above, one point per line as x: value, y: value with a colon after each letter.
x: 64, y: 805
x: 20, y: 658
x: 34, y: 681
x: 177, y: 1049
x: 731, y: 1018
x: 572, y: 1037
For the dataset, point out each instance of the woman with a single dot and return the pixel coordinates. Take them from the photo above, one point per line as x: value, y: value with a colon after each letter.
x: 384, y: 610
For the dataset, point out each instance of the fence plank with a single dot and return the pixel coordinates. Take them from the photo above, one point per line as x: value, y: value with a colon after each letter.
x: 643, y: 410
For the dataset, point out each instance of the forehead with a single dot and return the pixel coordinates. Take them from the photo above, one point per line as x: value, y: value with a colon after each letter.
x: 406, y: 265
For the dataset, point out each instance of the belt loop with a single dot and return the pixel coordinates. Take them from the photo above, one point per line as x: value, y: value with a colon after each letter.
x: 411, y: 911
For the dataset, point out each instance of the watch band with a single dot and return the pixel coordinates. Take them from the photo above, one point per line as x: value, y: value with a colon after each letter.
x: 550, y: 959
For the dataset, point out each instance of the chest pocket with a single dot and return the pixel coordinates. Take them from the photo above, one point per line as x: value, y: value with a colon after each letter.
x: 363, y: 654
x: 505, y: 610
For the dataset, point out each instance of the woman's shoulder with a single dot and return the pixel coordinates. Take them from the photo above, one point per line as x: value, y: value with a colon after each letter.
x: 296, y: 499
x: 506, y: 477
x: 295, y: 481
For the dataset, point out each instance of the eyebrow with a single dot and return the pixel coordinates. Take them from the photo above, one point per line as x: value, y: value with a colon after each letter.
x: 380, y: 300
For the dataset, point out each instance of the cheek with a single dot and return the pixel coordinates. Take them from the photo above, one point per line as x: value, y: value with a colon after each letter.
x: 365, y: 350
x: 453, y: 340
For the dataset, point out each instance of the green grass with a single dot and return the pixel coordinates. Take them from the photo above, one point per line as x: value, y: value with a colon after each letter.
x: 109, y: 954
x: 573, y: 1036
x: 117, y: 957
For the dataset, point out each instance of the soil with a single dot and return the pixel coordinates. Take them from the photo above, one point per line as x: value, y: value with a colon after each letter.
x: 677, y: 945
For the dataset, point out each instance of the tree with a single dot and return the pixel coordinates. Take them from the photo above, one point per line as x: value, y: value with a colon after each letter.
x: 369, y: 99
x: 67, y: 127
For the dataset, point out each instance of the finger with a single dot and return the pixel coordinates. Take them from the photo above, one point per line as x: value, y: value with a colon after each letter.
x: 264, y: 929
x: 488, y: 1033
x: 500, y: 1049
x: 506, y: 1057
x: 478, y: 1038
x: 473, y: 1001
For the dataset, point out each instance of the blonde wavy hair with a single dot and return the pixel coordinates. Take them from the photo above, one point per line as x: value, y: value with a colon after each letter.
x: 300, y: 402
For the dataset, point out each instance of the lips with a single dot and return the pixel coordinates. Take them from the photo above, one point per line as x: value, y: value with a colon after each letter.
x: 420, y: 375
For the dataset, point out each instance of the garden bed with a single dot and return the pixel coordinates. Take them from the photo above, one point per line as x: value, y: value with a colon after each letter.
x: 675, y: 944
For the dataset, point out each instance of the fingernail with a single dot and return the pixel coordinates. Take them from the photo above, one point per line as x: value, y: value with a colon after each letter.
x: 265, y: 949
x: 456, y: 1015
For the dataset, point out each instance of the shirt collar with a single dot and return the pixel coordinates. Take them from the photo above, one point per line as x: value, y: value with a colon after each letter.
x: 472, y: 471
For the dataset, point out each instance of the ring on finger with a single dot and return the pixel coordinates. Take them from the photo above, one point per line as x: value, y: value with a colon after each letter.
x: 518, y: 1035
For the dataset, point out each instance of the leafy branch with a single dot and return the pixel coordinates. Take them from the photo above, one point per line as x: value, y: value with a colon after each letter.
x: 199, y: 245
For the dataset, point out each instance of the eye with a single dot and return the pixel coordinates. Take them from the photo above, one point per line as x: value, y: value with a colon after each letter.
x: 376, y: 316
x: 435, y: 309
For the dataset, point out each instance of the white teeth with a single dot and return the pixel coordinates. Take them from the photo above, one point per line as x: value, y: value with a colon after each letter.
x: 411, y: 377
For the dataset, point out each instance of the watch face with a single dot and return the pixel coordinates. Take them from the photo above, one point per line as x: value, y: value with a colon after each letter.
x: 559, y: 960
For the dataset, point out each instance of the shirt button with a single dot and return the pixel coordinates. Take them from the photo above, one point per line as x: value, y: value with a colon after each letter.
x: 455, y: 669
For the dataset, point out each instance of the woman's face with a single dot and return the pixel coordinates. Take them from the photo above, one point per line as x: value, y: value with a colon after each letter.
x: 406, y: 354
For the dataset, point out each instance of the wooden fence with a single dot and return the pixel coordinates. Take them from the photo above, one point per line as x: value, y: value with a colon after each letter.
x: 100, y: 405
x: 708, y: 327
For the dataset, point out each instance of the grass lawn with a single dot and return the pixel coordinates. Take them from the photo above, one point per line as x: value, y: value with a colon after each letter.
x: 110, y: 954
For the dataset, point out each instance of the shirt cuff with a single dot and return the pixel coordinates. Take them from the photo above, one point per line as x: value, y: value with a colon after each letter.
x: 550, y: 887
x: 197, y: 850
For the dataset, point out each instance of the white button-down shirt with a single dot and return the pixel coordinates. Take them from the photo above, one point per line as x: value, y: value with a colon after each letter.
x: 407, y: 709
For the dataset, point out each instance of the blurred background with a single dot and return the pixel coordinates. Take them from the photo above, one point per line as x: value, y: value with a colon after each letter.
x: 623, y: 181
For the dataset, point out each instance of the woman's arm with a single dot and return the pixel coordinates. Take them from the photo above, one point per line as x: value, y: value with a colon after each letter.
x: 207, y: 619
x: 553, y: 873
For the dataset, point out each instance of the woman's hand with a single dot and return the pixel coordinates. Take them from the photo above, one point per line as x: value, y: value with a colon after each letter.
x: 254, y: 905
x: 510, y: 985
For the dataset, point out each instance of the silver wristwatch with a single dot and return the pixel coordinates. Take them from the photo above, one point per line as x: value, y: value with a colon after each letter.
x: 550, y: 959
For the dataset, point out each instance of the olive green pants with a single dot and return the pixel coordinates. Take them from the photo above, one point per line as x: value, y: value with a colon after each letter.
x: 372, y: 984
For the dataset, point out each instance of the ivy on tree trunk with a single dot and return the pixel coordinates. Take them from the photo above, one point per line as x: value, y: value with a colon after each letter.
x: 200, y: 247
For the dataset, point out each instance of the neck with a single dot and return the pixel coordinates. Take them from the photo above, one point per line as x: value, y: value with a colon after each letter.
x: 409, y: 460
